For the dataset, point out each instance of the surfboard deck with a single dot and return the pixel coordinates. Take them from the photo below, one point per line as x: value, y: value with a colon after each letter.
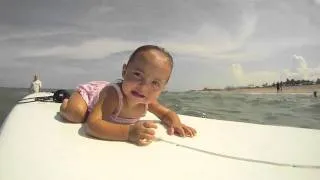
x: 36, y: 144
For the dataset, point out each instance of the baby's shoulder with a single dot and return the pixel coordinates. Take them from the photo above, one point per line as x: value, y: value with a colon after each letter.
x: 109, y: 93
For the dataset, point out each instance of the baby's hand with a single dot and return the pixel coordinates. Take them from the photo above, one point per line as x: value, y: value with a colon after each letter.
x: 176, y: 127
x: 142, y: 132
x: 181, y: 130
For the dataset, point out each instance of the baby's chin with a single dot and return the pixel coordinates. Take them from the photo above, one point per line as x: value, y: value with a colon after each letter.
x: 137, y: 100
x: 151, y: 101
x: 144, y: 101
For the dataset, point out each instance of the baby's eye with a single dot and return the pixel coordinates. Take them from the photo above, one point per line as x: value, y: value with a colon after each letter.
x: 156, y: 84
x: 137, y: 74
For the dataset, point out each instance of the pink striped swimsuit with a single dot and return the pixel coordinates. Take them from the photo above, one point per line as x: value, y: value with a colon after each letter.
x: 90, y: 93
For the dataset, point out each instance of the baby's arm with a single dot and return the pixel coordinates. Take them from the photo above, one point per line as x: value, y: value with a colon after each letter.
x: 171, y: 120
x: 104, y: 129
x: 97, y: 124
x: 162, y: 112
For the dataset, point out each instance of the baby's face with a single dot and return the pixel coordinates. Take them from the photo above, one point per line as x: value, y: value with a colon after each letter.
x: 146, y: 76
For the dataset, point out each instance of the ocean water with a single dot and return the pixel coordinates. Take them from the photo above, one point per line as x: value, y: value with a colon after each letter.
x: 297, y: 110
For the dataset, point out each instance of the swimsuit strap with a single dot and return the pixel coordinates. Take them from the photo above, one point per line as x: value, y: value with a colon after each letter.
x: 119, y: 108
x: 146, y: 108
x: 120, y: 99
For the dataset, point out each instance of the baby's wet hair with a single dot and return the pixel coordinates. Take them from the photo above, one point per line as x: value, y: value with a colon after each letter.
x: 151, y: 47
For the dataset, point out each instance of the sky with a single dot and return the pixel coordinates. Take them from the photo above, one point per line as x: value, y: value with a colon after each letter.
x: 214, y: 43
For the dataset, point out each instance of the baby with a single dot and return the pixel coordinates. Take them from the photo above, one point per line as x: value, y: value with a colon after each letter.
x: 112, y: 111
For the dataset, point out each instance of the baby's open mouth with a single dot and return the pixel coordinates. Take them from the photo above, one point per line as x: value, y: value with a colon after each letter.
x: 137, y: 94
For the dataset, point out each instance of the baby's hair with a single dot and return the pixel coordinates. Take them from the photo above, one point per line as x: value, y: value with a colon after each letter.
x: 151, y: 47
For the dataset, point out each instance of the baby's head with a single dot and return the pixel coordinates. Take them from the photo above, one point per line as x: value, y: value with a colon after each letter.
x: 156, y: 50
x: 146, y: 73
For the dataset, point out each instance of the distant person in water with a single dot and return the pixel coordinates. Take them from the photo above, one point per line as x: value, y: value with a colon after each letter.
x: 278, y: 87
x: 36, y: 84
x: 315, y: 93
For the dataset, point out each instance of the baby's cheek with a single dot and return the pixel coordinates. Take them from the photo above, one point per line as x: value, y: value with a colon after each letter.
x: 153, y: 97
x: 127, y: 87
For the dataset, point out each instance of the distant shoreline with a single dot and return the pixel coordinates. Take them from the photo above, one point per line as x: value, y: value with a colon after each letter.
x: 285, y: 89
x: 303, y: 89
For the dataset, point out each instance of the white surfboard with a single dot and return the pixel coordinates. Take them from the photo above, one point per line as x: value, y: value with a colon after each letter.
x: 35, y: 144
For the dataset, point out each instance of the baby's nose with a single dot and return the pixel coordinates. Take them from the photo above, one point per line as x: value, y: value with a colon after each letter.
x: 143, y: 85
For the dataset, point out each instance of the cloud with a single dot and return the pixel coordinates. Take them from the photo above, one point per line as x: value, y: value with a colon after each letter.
x: 238, y: 73
x: 209, y: 41
x: 299, y: 70
x: 302, y: 68
x: 252, y: 78
x: 254, y: 35
x: 38, y: 35
x: 212, y: 30
x: 214, y: 42
x: 92, y: 49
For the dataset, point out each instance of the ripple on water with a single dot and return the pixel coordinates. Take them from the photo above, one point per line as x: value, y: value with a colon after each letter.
x: 275, y: 109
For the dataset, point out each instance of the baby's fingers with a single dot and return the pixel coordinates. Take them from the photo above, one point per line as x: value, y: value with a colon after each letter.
x: 190, y: 132
x: 170, y: 130
x: 149, y: 124
x: 147, y: 136
x: 144, y: 142
x: 149, y: 131
x: 145, y: 139
x: 179, y: 131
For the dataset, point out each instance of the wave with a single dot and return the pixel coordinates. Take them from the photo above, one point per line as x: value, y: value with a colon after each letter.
x: 297, y: 110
